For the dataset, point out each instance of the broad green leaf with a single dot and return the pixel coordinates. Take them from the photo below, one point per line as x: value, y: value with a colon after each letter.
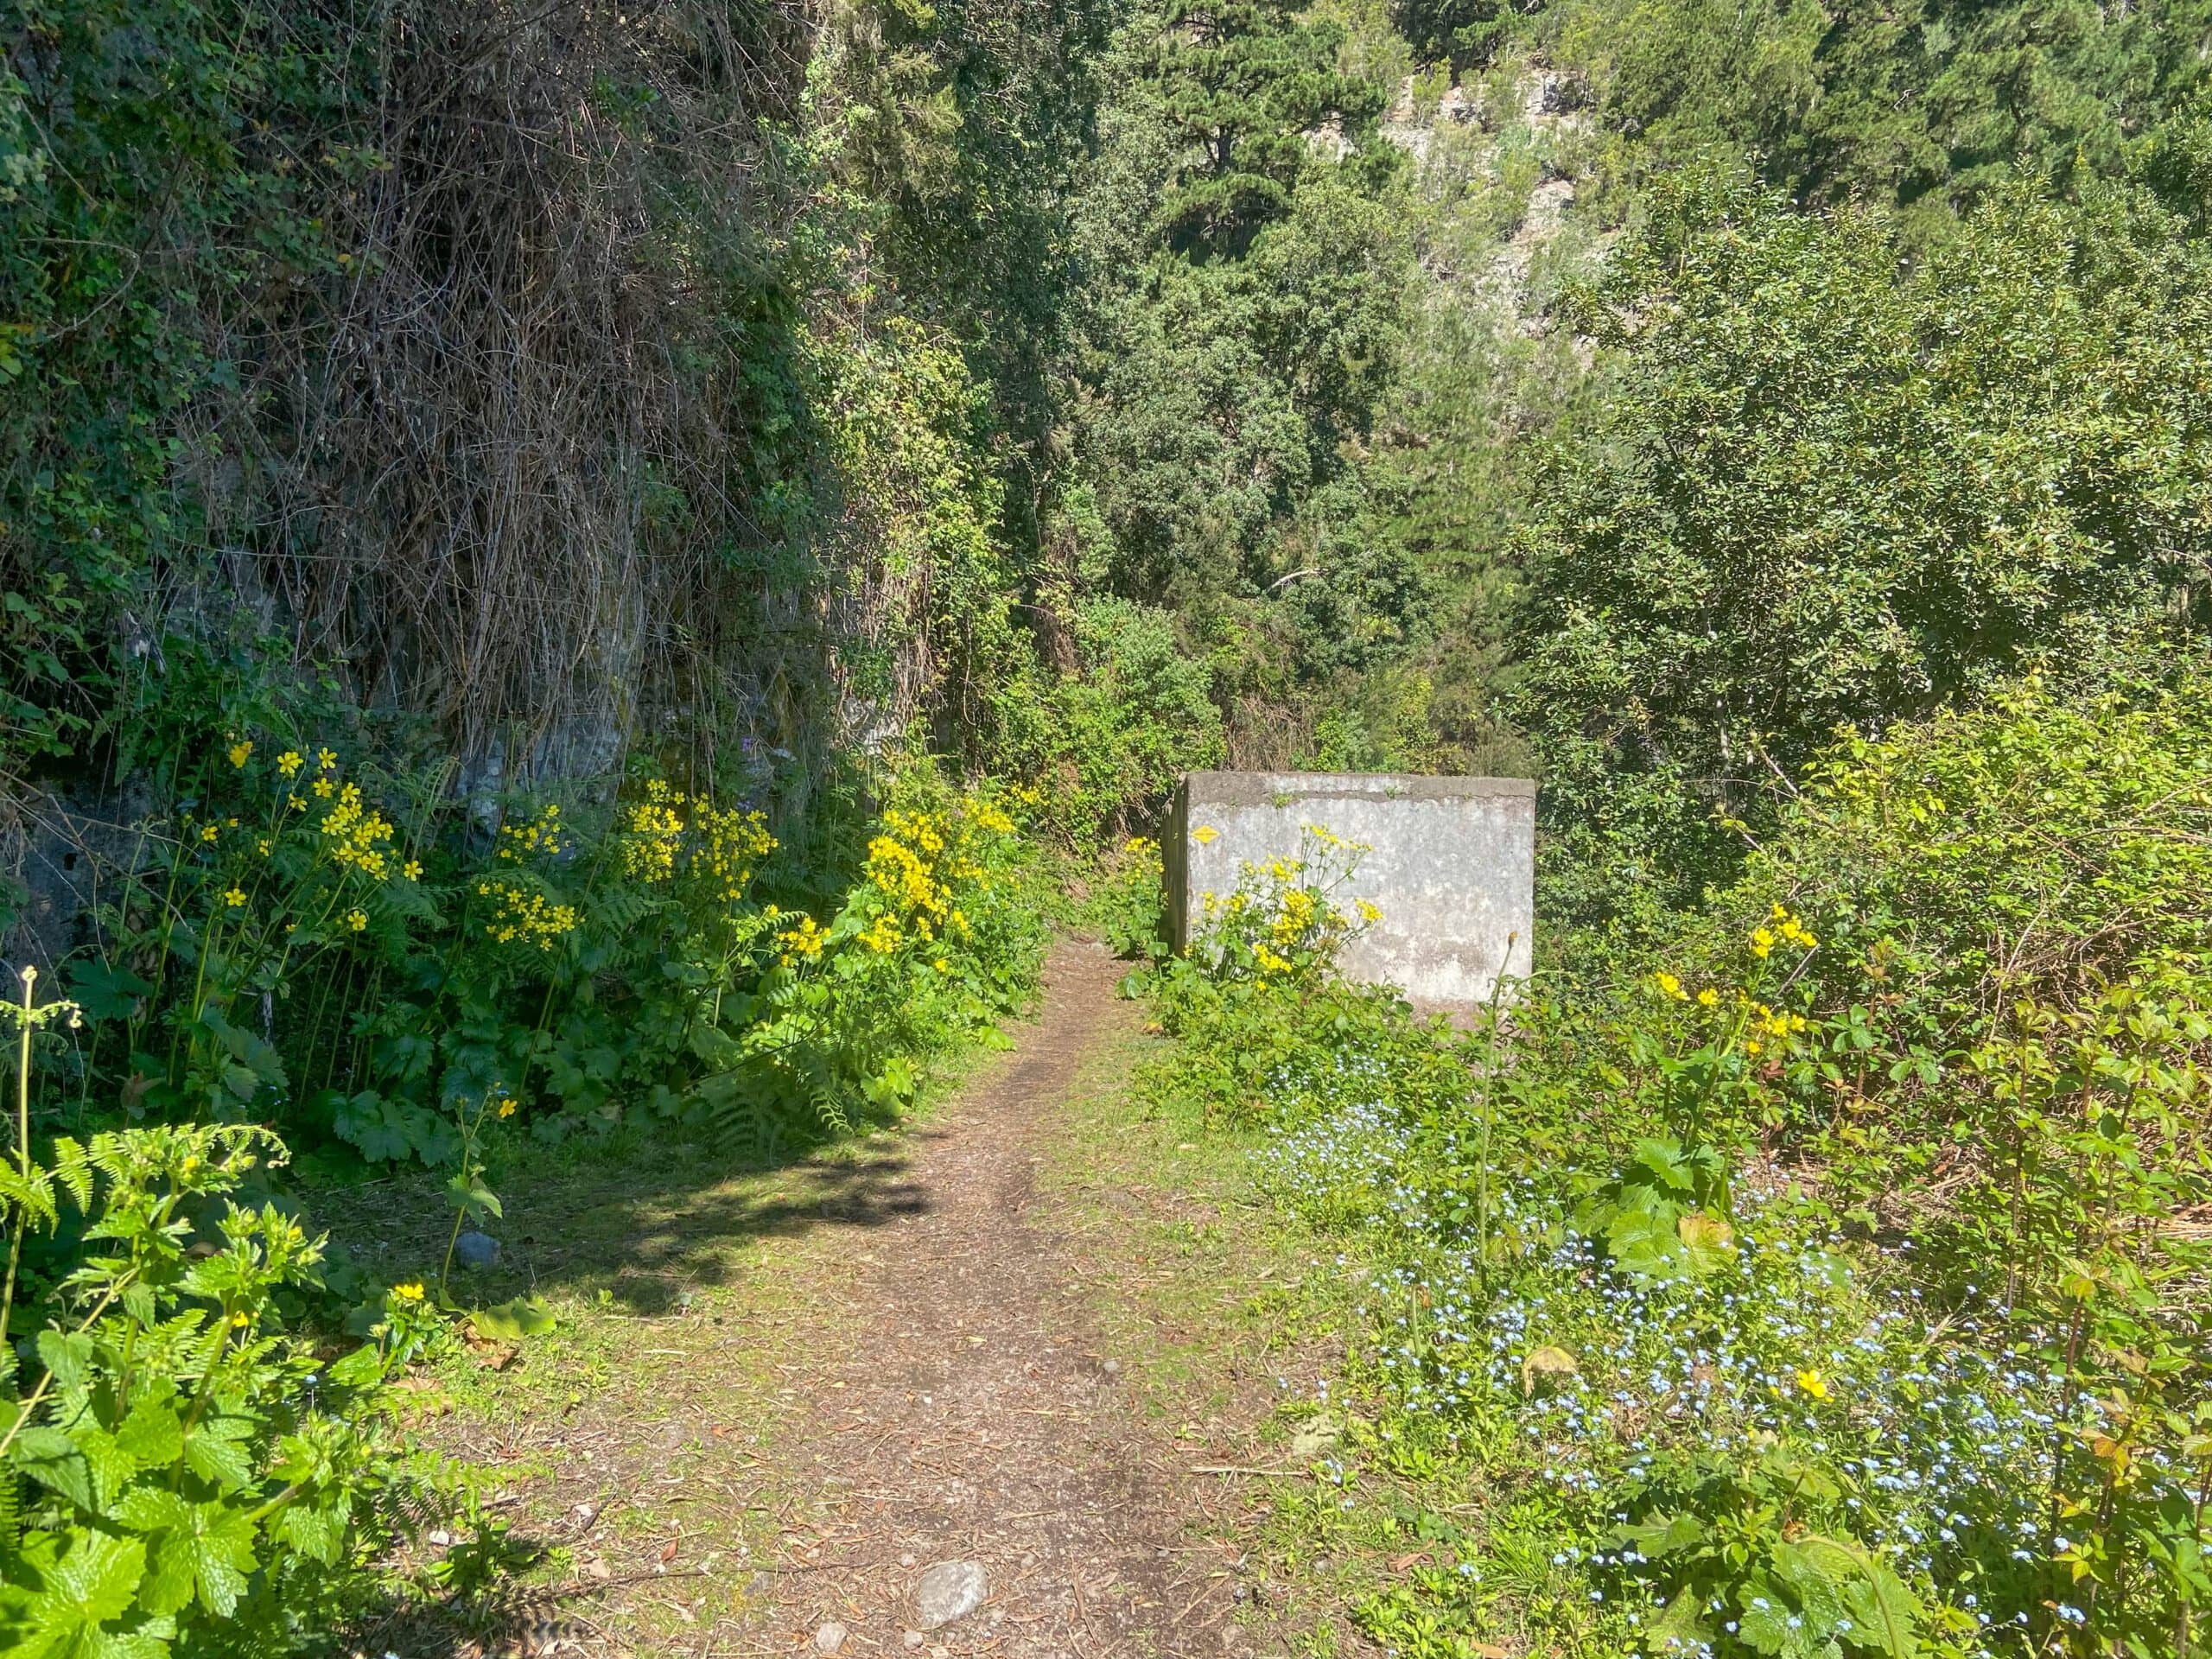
x: 218, y: 1450
x: 105, y: 993
x: 315, y: 1526
x: 86, y: 1466
x: 1885, y: 1615
x: 525, y: 1316
x: 203, y: 1550
x: 95, y: 1582
x: 65, y: 1354
x: 1708, y: 1242
x: 152, y: 1434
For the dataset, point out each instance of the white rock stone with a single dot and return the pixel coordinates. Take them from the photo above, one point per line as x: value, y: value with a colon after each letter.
x: 948, y: 1591
x: 829, y: 1638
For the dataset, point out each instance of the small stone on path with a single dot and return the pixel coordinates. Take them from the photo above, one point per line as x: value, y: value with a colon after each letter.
x: 829, y: 1638
x: 911, y: 1639
x: 950, y: 1591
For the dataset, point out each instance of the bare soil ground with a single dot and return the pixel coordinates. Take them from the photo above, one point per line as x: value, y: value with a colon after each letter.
x: 1011, y: 1337
x: 978, y: 1415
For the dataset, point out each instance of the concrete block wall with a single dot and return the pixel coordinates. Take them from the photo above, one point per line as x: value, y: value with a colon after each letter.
x: 1451, y: 867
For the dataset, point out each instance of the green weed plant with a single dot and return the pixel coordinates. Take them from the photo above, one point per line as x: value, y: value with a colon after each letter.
x: 181, y: 1470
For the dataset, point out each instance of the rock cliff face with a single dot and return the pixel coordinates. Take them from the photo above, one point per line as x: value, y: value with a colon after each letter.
x: 1504, y: 159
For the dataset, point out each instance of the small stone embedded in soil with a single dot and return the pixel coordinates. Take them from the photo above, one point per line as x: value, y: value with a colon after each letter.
x: 475, y: 1249
x: 949, y: 1591
x: 829, y: 1638
x: 911, y: 1640
x: 1112, y: 1368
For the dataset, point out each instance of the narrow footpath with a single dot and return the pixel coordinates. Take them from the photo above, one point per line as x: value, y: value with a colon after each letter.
x: 976, y: 1421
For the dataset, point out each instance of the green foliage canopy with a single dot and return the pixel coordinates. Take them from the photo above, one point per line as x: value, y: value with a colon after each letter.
x: 1837, y: 490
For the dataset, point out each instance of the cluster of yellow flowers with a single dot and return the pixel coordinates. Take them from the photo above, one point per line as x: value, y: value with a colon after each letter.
x: 801, y: 943
x: 358, y: 834
x: 917, y: 864
x: 728, y: 843
x: 731, y: 843
x: 518, y: 913
x: 1761, y: 1021
x: 1294, y: 916
x: 1774, y: 1023
x: 653, y: 834
x: 350, y: 832
x: 1787, y: 928
x: 521, y: 842
x: 903, y: 865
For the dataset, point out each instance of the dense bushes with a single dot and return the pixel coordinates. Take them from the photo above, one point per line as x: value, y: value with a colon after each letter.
x: 1826, y: 1276
x: 1825, y: 495
x: 350, y: 956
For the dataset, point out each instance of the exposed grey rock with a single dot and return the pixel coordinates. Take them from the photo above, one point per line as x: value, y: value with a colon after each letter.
x: 1317, y: 1434
x: 475, y: 1249
x: 829, y: 1636
x: 950, y: 1591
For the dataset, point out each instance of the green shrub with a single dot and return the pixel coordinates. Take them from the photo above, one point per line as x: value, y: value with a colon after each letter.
x: 349, y: 953
x: 1129, y: 902
x: 179, y: 1472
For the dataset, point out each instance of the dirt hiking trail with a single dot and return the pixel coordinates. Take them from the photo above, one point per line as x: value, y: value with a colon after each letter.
x: 975, y: 1416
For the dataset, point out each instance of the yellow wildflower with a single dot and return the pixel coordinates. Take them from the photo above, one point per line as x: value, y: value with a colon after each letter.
x: 1708, y: 998
x: 209, y: 832
x: 506, y: 1108
x: 357, y: 919
x: 407, y: 1292
x: 530, y: 918
x: 235, y: 899
x: 1761, y: 943
x: 241, y: 1320
x: 288, y: 762
x: 1669, y: 986
x: 326, y: 758
x: 801, y: 943
x: 241, y: 751
x: 1813, y: 1383
x: 412, y: 869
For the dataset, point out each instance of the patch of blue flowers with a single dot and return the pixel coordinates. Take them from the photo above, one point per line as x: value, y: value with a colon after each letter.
x: 1801, y: 1385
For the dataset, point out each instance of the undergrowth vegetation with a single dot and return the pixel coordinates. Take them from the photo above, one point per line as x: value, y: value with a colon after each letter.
x: 1830, y: 1274
x: 350, y: 963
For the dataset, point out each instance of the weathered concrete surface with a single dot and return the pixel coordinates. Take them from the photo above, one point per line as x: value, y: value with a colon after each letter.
x: 1451, y: 867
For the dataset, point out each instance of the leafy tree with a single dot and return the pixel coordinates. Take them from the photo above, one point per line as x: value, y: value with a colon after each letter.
x: 1461, y: 33
x: 1828, y: 495
x: 1245, y: 88
x: 1244, y: 242
x: 1945, y: 99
